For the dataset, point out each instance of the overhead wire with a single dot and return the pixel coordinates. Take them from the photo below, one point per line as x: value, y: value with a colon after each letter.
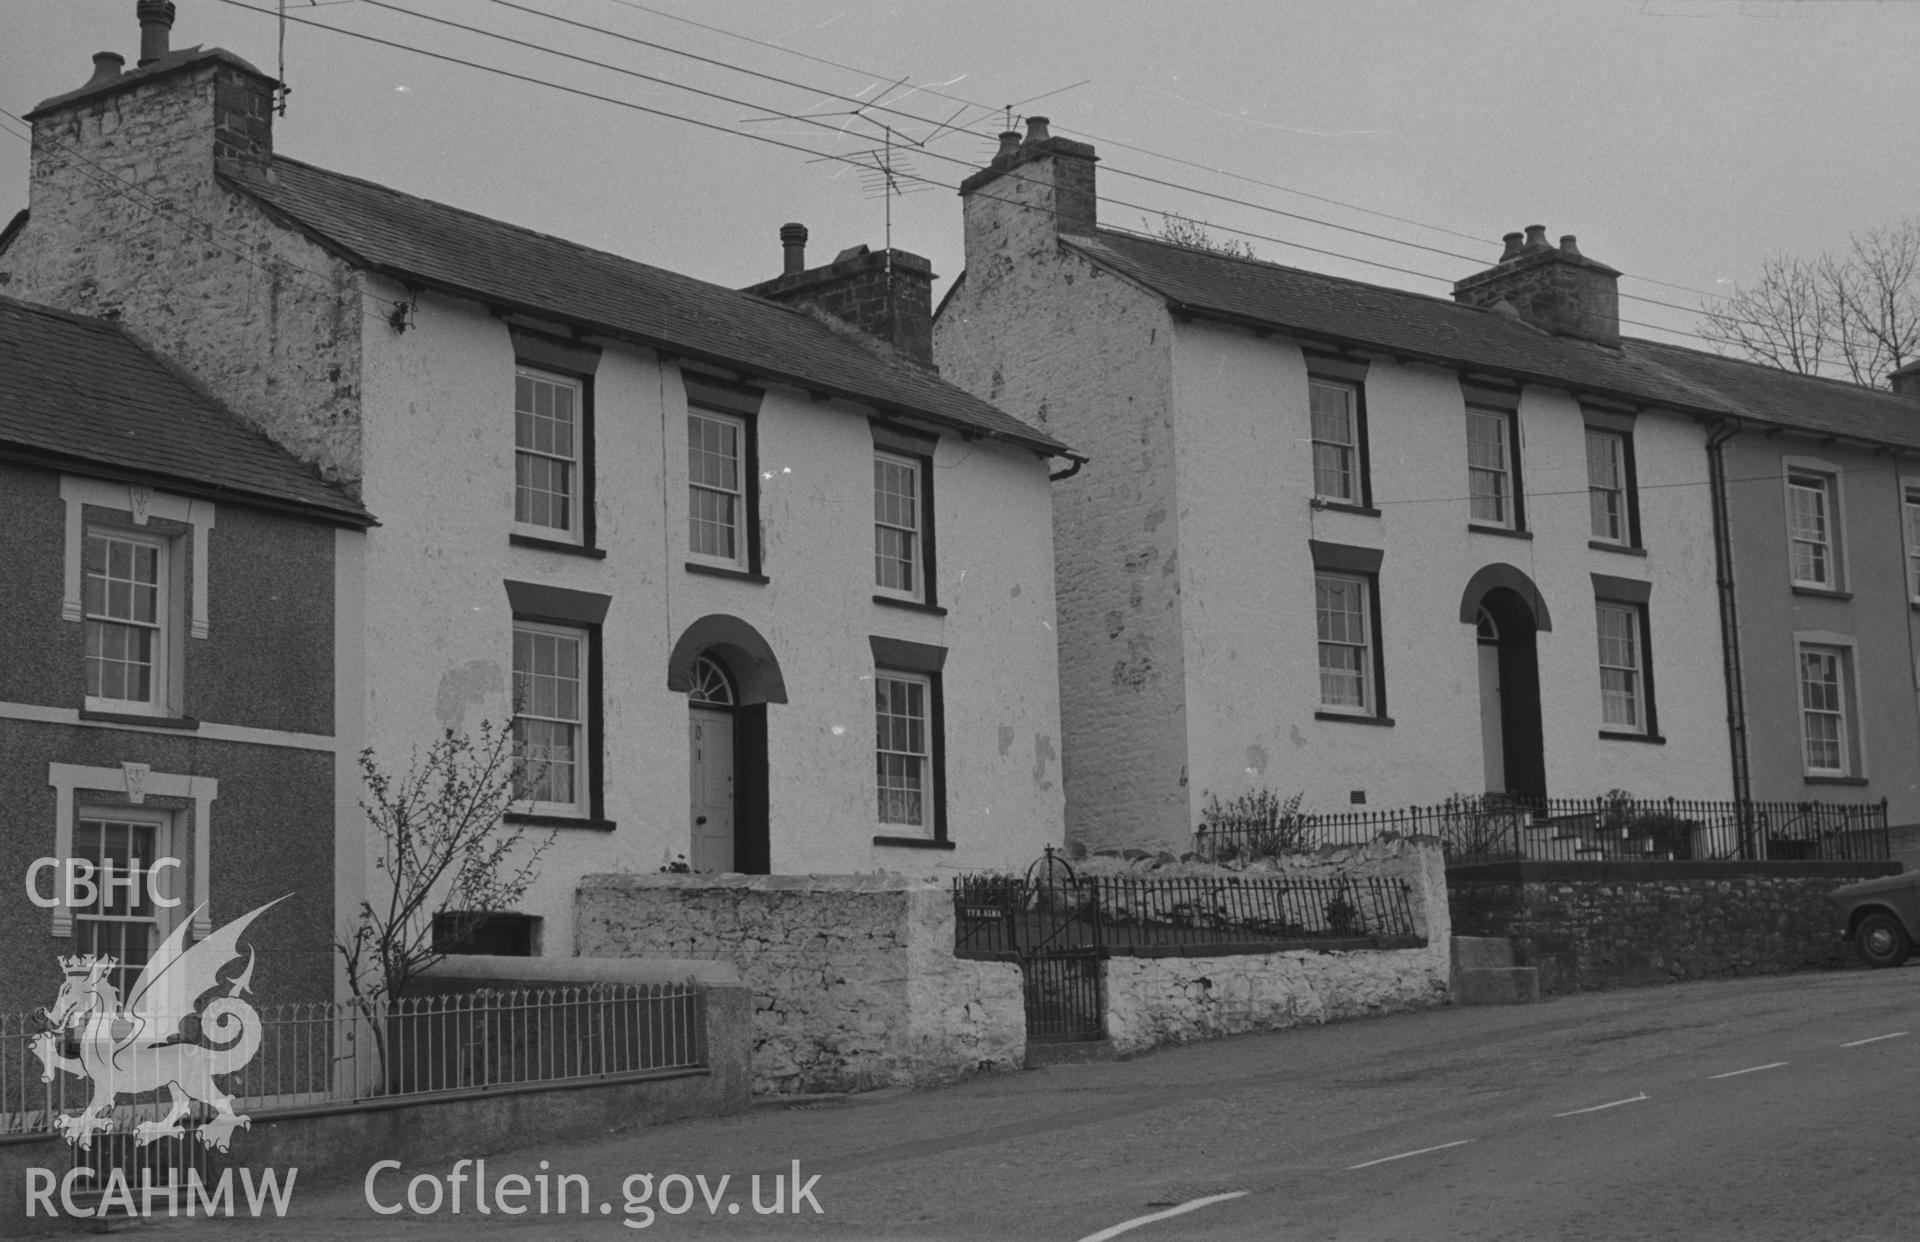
x: 854, y: 160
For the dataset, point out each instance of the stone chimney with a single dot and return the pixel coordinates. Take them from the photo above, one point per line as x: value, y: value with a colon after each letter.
x: 1034, y: 189
x: 156, y: 29
x: 1554, y: 287
x: 1906, y: 381
x: 885, y: 294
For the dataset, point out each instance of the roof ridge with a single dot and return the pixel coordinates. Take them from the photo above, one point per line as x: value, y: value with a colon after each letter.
x: 1767, y: 368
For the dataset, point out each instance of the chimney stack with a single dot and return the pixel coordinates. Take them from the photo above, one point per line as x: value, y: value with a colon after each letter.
x: 1906, y: 381
x: 884, y: 294
x: 106, y: 67
x: 793, y: 246
x: 1060, y: 171
x: 1553, y: 287
x: 156, y: 22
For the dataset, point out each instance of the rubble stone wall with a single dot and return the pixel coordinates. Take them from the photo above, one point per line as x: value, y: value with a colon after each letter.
x: 854, y: 981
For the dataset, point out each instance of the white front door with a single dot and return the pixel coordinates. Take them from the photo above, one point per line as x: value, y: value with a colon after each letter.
x: 1492, y: 733
x: 710, y: 778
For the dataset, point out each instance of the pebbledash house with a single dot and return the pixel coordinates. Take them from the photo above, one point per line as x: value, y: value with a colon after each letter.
x: 174, y: 609
x: 769, y: 594
x: 1382, y: 548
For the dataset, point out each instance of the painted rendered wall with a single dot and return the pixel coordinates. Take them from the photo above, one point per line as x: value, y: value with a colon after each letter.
x: 1245, y: 476
x: 1875, y: 614
x: 439, y: 624
x: 1075, y: 350
x: 265, y: 670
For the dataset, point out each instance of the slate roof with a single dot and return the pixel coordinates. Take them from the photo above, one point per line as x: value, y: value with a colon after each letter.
x: 79, y: 393
x: 1394, y: 321
x: 414, y: 239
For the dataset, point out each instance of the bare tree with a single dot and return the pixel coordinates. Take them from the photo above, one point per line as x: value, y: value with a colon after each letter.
x: 1191, y: 233
x: 1858, y: 313
x: 443, y: 847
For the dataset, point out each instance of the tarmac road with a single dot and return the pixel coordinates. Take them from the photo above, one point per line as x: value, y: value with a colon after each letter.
x: 1786, y: 1107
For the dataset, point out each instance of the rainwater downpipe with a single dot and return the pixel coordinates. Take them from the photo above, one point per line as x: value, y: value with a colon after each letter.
x: 1725, y: 429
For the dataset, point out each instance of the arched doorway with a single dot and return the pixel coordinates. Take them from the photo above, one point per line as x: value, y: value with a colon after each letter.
x: 729, y: 675
x: 1508, y: 615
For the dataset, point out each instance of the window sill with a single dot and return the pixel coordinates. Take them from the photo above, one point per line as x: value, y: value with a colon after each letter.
x: 140, y: 718
x: 1504, y: 532
x: 554, y: 545
x: 1610, y: 735
x: 1341, y: 506
x: 558, y: 821
x: 913, y: 843
x: 1835, y: 780
x: 1599, y: 545
x: 1345, y: 718
x: 717, y: 571
x: 1821, y: 592
x: 911, y: 605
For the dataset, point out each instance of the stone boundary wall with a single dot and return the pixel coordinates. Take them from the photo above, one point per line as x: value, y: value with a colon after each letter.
x: 1162, y: 1000
x: 1587, y: 926
x: 854, y: 981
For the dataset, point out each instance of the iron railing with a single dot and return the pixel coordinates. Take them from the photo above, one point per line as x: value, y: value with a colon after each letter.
x: 1612, y: 828
x: 1006, y: 917
x: 336, y: 1053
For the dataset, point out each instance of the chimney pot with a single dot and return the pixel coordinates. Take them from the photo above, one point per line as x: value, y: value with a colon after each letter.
x: 1009, y: 146
x: 793, y: 245
x: 106, y: 67
x: 1567, y: 246
x: 1537, y: 237
x: 1037, y: 130
x: 1513, y: 247
x: 1906, y: 381
x: 156, y: 20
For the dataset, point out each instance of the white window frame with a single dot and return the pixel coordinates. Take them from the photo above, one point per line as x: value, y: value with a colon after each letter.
x: 1617, y: 488
x: 1348, y: 451
x: 1838, y: 652
x: 1821, y: 479
x: 137, y: 782
x: 923, y: 756
x: 158, y: 919
x: 1369, y: 690
x: 739, y: 492
x: 915, y: 536
x: 1509, y: 515
x: 572, y: 528
x: 164, y: 628
x: 1636, y: 673
x: 580, y: 805
x: 1910, y: 510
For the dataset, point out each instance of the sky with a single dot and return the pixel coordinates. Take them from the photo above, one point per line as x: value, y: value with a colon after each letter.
x: 1682, y: 141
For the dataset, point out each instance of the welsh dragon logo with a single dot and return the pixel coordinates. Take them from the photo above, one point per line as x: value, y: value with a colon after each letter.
x: 141, y: 1044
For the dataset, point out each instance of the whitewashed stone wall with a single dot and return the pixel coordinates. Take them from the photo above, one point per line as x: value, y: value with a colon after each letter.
x: 854, y: 981
x: 1170, y: 1000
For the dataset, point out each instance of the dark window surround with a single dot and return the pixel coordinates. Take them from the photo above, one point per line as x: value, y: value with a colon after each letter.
x: 1820, y: 592
x: 721, y: 571
x: 1350, y: 373
x: 1506, y: 402
x: 586, y: 611
x: 914, y: 605
x: 1636, y: 594
x: 578, y: 362
x: 519, y: 540
x: 1619, y: 549
x: 929, y: 564
x: 1362, y: 563
x: 899, y: 655
x: 1620, y: 425
x: 741, y: 401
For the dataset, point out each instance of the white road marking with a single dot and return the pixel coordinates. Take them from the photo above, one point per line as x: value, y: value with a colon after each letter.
x: 1751, y: 1069
x: 1367, y: 1164
x: 1598, y: 1107
x: 1876, y: 1039
x: 1114, y: 1231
